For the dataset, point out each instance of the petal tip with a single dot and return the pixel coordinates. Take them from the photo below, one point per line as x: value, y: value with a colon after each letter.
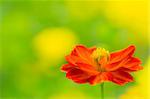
x: 132, y: 47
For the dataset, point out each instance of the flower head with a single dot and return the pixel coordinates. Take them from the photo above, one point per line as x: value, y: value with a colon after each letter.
x: 97, y: 65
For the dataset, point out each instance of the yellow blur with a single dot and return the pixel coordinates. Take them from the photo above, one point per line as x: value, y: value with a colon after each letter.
x: 54, y: 43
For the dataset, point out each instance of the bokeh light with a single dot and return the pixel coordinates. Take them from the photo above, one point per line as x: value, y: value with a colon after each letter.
x: 53, y: 44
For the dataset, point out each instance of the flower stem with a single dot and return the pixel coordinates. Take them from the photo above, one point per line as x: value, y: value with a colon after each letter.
x: 102, y: 90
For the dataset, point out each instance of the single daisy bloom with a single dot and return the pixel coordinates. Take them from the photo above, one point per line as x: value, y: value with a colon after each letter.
x: 97, y: 65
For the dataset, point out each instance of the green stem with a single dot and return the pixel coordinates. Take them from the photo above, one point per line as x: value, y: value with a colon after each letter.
x: 102, y: 91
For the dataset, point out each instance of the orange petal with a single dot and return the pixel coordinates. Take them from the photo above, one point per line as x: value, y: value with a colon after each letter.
x: 83, y: 52
x: 119, y: 59
x: 87, y: 68
x: 116, y: 65
x: 92, y: 49
x: 131, y: 70
x: 133, y: 64
x: 77, y: 76
x: 102, y: 77
x: 121, y: 77
x: 135, y: 68
x: 120, y: 55
x: 132, y: 61
x: 66, y: 67
x: 80, y: 54
x: 73, y: 59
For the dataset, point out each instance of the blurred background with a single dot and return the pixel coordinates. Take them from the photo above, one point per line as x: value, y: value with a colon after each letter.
x: 37, y: 34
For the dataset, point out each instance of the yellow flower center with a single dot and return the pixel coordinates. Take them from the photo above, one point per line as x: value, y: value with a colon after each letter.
x: 100, y: 53
x: 100, y: 56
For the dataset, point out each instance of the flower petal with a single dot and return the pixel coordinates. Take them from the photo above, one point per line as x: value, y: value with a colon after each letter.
x: 92, y: 49
x: 133, y: 64
x: 121, y: 55
x: 78, y: 76
x: 84, y: 53
x: 66, y: 67
x: 119, y: 59
x: 87, y: 68
x: 102, y: 77
x: 121, y: 77
x: 73, y: 59
x: 81, y: 50
x: 130, y: 64
x: 81, y: 54
x: 116, y: 65
x: 81, y: 59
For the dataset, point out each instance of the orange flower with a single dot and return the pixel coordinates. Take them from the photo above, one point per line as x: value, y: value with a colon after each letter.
x: 96, y: 65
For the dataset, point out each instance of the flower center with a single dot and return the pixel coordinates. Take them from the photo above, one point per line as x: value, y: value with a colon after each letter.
x: 101, y: 57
